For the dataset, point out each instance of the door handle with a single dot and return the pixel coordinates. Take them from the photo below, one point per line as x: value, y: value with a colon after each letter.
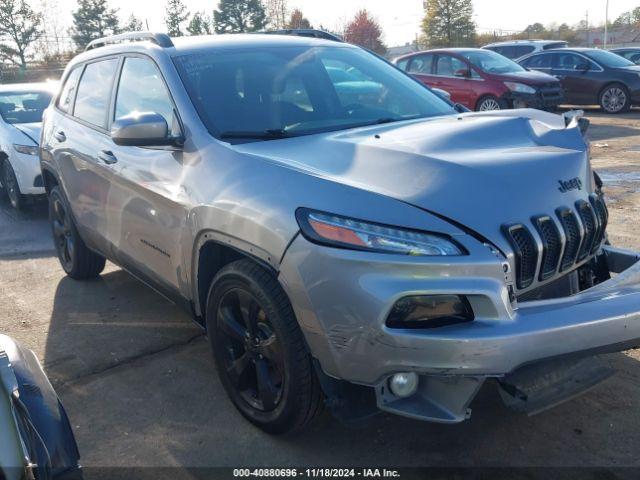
x: 60, y: 136
x: 107, y: 157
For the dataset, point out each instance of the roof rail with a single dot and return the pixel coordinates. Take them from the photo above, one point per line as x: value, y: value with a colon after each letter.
x: 306, y: 32
x: 160, y: 39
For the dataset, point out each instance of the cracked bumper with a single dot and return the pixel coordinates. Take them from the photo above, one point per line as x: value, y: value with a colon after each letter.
x: 342, y: 299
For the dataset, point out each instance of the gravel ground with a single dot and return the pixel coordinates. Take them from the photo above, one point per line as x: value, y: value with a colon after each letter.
x: 138, y: 382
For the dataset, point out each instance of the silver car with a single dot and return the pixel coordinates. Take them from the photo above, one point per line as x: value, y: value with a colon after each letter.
x: 365, y: 247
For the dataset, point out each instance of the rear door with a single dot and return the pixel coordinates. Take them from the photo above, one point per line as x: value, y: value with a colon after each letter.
x: 80, y: 144
x: 147, y: 213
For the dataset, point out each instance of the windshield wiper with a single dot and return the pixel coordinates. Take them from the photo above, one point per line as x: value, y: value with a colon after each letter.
x: 271, y: 134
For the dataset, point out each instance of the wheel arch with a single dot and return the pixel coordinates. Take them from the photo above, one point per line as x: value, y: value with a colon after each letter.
x: 608, y: 84
x: 50, y: 179
x: 211, y: 253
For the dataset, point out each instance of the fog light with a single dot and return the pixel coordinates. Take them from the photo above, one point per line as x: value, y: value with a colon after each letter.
x: 404, y: 384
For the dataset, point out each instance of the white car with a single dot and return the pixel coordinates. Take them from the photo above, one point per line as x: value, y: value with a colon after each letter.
x: 21, y: 108
x: 515, y: 49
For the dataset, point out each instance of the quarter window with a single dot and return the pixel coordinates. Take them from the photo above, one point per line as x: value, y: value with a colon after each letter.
x: 65, y: 102
x: 94, y: 91
x: 141, y: 89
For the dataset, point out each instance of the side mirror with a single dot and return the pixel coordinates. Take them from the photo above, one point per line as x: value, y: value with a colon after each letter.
x: 443, y: 94
x: 463, y: 72
x: 144, y: 129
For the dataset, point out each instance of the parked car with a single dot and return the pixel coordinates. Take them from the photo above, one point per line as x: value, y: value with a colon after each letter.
x: 391, y: 254
x: 630, y: 53
x: 515, y: 49
x: 21, y: 107
x: 36, y: 440
x: 591, y: 76
x: 483, y: 80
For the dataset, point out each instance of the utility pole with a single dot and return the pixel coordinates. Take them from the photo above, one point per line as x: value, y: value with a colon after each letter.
x: 587, y: 28
x: 606, y: 24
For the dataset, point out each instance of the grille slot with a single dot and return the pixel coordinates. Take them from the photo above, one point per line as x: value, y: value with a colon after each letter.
x: 526, y: 253
x: 551, y: 245
x: 573, y: 232
x: 590, y: 225
x: 600, y: 209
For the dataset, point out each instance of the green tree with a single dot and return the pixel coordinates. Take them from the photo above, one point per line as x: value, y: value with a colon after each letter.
x: 449, y: 23
x: 19, y: 28
x: 298, y: 20
x: 235, y: 16
x: 93, y: 19
x: 175, y: 16
x: 199, y: 24
x: 133, y: 24
x: 535, y: 29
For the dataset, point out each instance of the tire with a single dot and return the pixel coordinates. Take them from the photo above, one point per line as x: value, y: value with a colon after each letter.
x: 260, y: 354
x: 75, y: 257
x: 615, y: 98
x: 11, y: 187
x: 488, y: 103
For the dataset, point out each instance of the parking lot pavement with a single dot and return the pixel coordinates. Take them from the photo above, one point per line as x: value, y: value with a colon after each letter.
x: 139, y: 385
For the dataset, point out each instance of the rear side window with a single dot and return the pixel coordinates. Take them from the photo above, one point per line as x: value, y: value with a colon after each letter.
x: 142, y: 89
x: 94, y: 91
x: 522, y: 50
x: 402, y: 64
x: 538, y: 61
x: 65, y: 102
x: 421, y: 64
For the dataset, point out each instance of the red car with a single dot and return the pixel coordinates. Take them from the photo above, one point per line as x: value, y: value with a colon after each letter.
x: 482, y: 79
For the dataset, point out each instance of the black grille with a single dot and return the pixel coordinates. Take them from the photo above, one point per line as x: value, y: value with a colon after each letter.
x: 590, y: 226
x: 551, y: 245
x: 602, y: 215
x: 573, y: 232
x: 526, y: 254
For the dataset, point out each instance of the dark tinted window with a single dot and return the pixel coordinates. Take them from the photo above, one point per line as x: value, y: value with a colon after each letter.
x: 421, y: 64
x: 92, y: 102
x: 522, y: 50
x: 23, y: 107
x: 608, y: 59
x: 65, y: 102
x: 538, y: 61
x: 550, y: 46
x: 571, y: 61
x: 141, y: 89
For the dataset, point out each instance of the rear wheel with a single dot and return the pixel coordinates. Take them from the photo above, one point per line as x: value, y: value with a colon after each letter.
x: 260, y: 354
x: 489, y: 102
x: 615, y: 98
x: 75, y: 257
x: 10, y: 183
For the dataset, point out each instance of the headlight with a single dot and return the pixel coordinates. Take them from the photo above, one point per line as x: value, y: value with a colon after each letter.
x: 26, y: 149
x: 519, y: 87
x: 342, y: 232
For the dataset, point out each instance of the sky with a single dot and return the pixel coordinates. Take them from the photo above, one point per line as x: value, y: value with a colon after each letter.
x: 400, y: 19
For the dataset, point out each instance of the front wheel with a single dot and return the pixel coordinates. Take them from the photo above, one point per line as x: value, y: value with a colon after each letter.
x: 260, y: 354
x: 75, y: 257
x: 10, y: 183
x: 615, y: 98
x: 489, y: 103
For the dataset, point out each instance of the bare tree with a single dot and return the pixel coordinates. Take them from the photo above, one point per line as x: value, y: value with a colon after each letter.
x: 19, y: 29
x: 277, y: 12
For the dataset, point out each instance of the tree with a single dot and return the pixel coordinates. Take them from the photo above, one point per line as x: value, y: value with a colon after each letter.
x: 365, y: 31
x: 175, y: 16
x: 298, y: 20
x: 277, y: 12
x: 93, y: 19
x: 234, y: 16
x: 199, y: 24
x: 449, y: 23
x: 19, y: 27
x: 535, y: 29
x: 134, y: 24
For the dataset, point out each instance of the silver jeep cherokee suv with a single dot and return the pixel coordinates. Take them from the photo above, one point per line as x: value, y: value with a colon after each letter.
x: 345, y: 236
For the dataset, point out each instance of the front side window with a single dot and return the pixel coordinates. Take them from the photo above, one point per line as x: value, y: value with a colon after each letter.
x: 142, y: 90
x: 421, y: 64
x: 538, y: 61
x: 447, y: 66
x: 69, y: 90
x: 572, y: 61
x: 94, y: 92
x: 300, y: 90
x: 23, y: 107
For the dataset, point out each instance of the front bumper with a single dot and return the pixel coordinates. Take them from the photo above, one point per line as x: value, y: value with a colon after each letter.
x: 542, y: 99
x: 342, y: 299
x: 28, y: 173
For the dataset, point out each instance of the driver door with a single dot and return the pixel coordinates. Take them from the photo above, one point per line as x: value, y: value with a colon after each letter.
x: 460, y: 87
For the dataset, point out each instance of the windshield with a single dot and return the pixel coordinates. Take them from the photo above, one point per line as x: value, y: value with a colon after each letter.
x: 492, y: 62
x: 273, y: 92
x: 23, y: 107
x: 609, y: 59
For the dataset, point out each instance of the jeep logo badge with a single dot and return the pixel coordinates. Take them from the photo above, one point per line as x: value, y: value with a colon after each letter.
x: 571, y: 184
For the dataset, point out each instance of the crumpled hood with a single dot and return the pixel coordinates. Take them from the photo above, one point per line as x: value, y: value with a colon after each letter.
x: 480, y: 170
x: 31, y: 130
